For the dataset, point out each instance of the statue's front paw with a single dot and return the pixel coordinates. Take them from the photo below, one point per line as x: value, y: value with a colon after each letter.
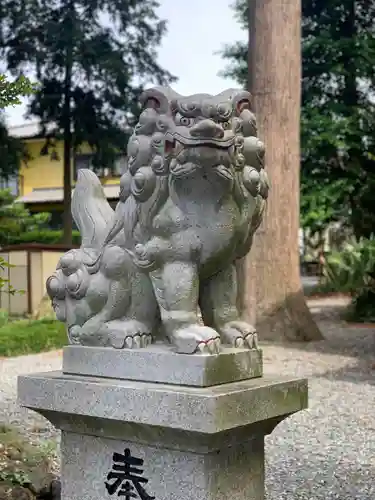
x: 74, y: 334
x: 128, y: 334
x: 193, y: 339
x: 239, y: 334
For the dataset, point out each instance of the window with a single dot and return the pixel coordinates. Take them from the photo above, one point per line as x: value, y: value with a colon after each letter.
x: 10, y: 183
x: 85, y: 161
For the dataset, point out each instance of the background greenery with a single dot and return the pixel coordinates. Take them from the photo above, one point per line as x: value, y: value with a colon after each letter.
x: 25, y: 336
x: 338, y: 114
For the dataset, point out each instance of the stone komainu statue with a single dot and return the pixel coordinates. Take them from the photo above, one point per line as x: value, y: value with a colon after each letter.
x: 190, y: 201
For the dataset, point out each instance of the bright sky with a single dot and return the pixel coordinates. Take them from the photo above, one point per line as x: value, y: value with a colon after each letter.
x: 196, y: 30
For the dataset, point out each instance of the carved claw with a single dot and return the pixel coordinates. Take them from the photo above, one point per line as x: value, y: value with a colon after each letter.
x: 239, y: 334
x: 128, y: 343
x: 213, y: 346
x: 146, y: 340
x: 74, y: 334
x: 202, y: 347
x: 130, y: 334
x: 196, y: 339
x: 210, y: 347
x: 239, y: 342
x: 248, y: 340
x: 217, y: 345
x: 137, y: 342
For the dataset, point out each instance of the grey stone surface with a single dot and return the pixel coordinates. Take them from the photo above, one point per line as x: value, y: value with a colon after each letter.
x: 157, y: 363
x: 207, y: 410
x: 193, y: 443
x: 191, y: 198
x: 326, y: 452
x: 235, y: 472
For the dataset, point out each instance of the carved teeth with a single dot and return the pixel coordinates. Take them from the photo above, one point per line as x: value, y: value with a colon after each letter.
x: 239, y: 342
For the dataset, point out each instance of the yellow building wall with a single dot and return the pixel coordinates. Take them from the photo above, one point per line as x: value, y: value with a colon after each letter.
x: 41, y: 172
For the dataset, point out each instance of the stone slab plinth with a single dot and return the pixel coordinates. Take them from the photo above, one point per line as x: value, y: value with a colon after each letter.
x: 159, y: 363
x: 144, y: 439
x: 161, y: 441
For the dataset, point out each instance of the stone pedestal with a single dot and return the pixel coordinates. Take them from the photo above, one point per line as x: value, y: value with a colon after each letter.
x: 190, y: 427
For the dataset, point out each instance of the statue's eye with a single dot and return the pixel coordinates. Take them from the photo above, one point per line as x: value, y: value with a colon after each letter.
x: 226, y: 125
x: 184, y: 121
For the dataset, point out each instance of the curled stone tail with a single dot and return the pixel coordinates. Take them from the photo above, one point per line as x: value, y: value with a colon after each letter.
x: 90, y: 209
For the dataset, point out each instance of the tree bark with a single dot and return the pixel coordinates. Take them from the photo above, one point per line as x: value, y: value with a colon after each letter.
x: 67, y: 216
x: 273, y: 297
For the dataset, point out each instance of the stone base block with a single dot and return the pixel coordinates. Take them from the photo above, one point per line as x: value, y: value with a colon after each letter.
x: 138, y: 440
x: 231, y: 472
x: 159, y: 363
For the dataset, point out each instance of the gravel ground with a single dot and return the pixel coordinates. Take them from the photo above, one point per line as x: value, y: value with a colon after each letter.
x: 326, y: 452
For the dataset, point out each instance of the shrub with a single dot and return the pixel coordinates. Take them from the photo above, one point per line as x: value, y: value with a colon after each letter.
x: 46, y: 236
x: 362, y: 308
x: 26, y: 468
x: 16, y: 219
x: 31, y: 336
x: 353, y: 271
x: 4, y: 317
x: 347, y: 271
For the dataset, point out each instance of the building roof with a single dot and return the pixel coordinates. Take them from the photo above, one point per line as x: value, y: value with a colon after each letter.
x: 56, y: 195
x: 29, y: 130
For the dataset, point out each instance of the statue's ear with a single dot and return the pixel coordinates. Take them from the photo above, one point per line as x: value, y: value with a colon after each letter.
x: 155, y: 98
x: 90, y: 209
x: 241, y: 101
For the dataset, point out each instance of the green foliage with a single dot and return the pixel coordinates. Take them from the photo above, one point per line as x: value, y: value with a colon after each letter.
x: 338, y: 110
x: 15, y: 477
x: 321, y: 203
x: 12, y: 150
x: 92, y: 60
x: 4, y: 282
x: 11, y: 154
x: 31, y: 336
x: 236, y: 54
x: 44, y: 236
x: 4, y: 317
x: 347, y: 271
x: 25, y: 468
x: 16, y: 219
x: 362, y: 308
x: 10, y: 92
x: 338, y: 118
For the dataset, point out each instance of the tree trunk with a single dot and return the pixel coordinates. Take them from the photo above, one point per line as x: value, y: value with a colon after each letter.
x: 273, y: 297
x: 67, y: 217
